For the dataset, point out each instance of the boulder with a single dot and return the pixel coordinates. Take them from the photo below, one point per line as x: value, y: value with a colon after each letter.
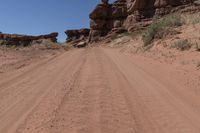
x: 197, y: 2
x: 81, y: 44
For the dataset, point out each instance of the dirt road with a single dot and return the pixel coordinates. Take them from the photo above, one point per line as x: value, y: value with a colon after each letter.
x: 98, y: 90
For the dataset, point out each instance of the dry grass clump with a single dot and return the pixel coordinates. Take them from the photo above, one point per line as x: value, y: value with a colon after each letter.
x: 159, y: 28
x: 192, y: 18
x: 182, y: 45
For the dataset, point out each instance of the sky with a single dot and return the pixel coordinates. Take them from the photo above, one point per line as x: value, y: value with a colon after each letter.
x: 35, y: 17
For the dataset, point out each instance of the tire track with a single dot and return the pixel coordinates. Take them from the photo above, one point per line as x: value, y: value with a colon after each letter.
x: 35, y: 92
x: 161, y: 110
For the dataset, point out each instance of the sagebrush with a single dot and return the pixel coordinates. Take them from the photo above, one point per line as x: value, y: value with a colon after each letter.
x: 159, y: 28
x: 183, y: 44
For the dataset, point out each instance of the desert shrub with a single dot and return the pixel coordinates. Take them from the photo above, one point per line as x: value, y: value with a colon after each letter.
x: 1, y: 42
x: 183, y: 45
x: 116, y: 36
x: 159, y: 28
x: 67, y: 47
x: 125, y: 34
x: 195, y: 19
x: 191, y: 18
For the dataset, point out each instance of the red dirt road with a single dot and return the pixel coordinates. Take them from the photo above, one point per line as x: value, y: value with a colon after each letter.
x: 98, y: 90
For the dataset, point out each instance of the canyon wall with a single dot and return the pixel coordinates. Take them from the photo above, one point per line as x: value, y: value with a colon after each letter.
x: 128, y: 15
x: 77, y: 35
x: 107, y: 18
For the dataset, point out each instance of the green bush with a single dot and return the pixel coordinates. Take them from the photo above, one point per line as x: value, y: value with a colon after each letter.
x: 183, y: 45
x: 159, y: 27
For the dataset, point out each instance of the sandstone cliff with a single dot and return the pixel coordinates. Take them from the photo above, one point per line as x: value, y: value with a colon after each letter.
x: 107, y: 17
x: 74, y: 35
x: 127, y: 16
x: 77, y: 37
x: 130, y: 15
x: 15, y: 39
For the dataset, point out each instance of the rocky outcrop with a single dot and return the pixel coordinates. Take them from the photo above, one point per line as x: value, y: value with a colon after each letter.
x: 77, y: 38
x: 107, y: 17
x: 140, y: 12
x: 74, y: 35
x: 129, y: 14
x: 25, y: 40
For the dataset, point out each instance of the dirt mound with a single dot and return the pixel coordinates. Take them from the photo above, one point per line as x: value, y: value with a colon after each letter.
x: 15, y: 58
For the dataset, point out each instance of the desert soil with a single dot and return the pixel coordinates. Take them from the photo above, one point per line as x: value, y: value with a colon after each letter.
x: 99, y: 90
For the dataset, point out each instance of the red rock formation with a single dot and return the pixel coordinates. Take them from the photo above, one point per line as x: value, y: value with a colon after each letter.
x: 15, y: 39
x: 77, y: 38
x: 75, y: 35
x: 141, y: 11
x: 128, y: 14
x: 107, y: 17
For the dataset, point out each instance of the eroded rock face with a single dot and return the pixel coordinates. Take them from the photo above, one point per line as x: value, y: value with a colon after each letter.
x: 128, y: 14
x: 78, y: 38
x: 76, y: 35
x: 25, y: 40
x: 107, y: 17
x: 150, y: 5
x: 141, y: 11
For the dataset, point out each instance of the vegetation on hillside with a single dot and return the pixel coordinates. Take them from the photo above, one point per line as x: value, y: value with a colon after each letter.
x: 160, y: 27
x: 183, y: 45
